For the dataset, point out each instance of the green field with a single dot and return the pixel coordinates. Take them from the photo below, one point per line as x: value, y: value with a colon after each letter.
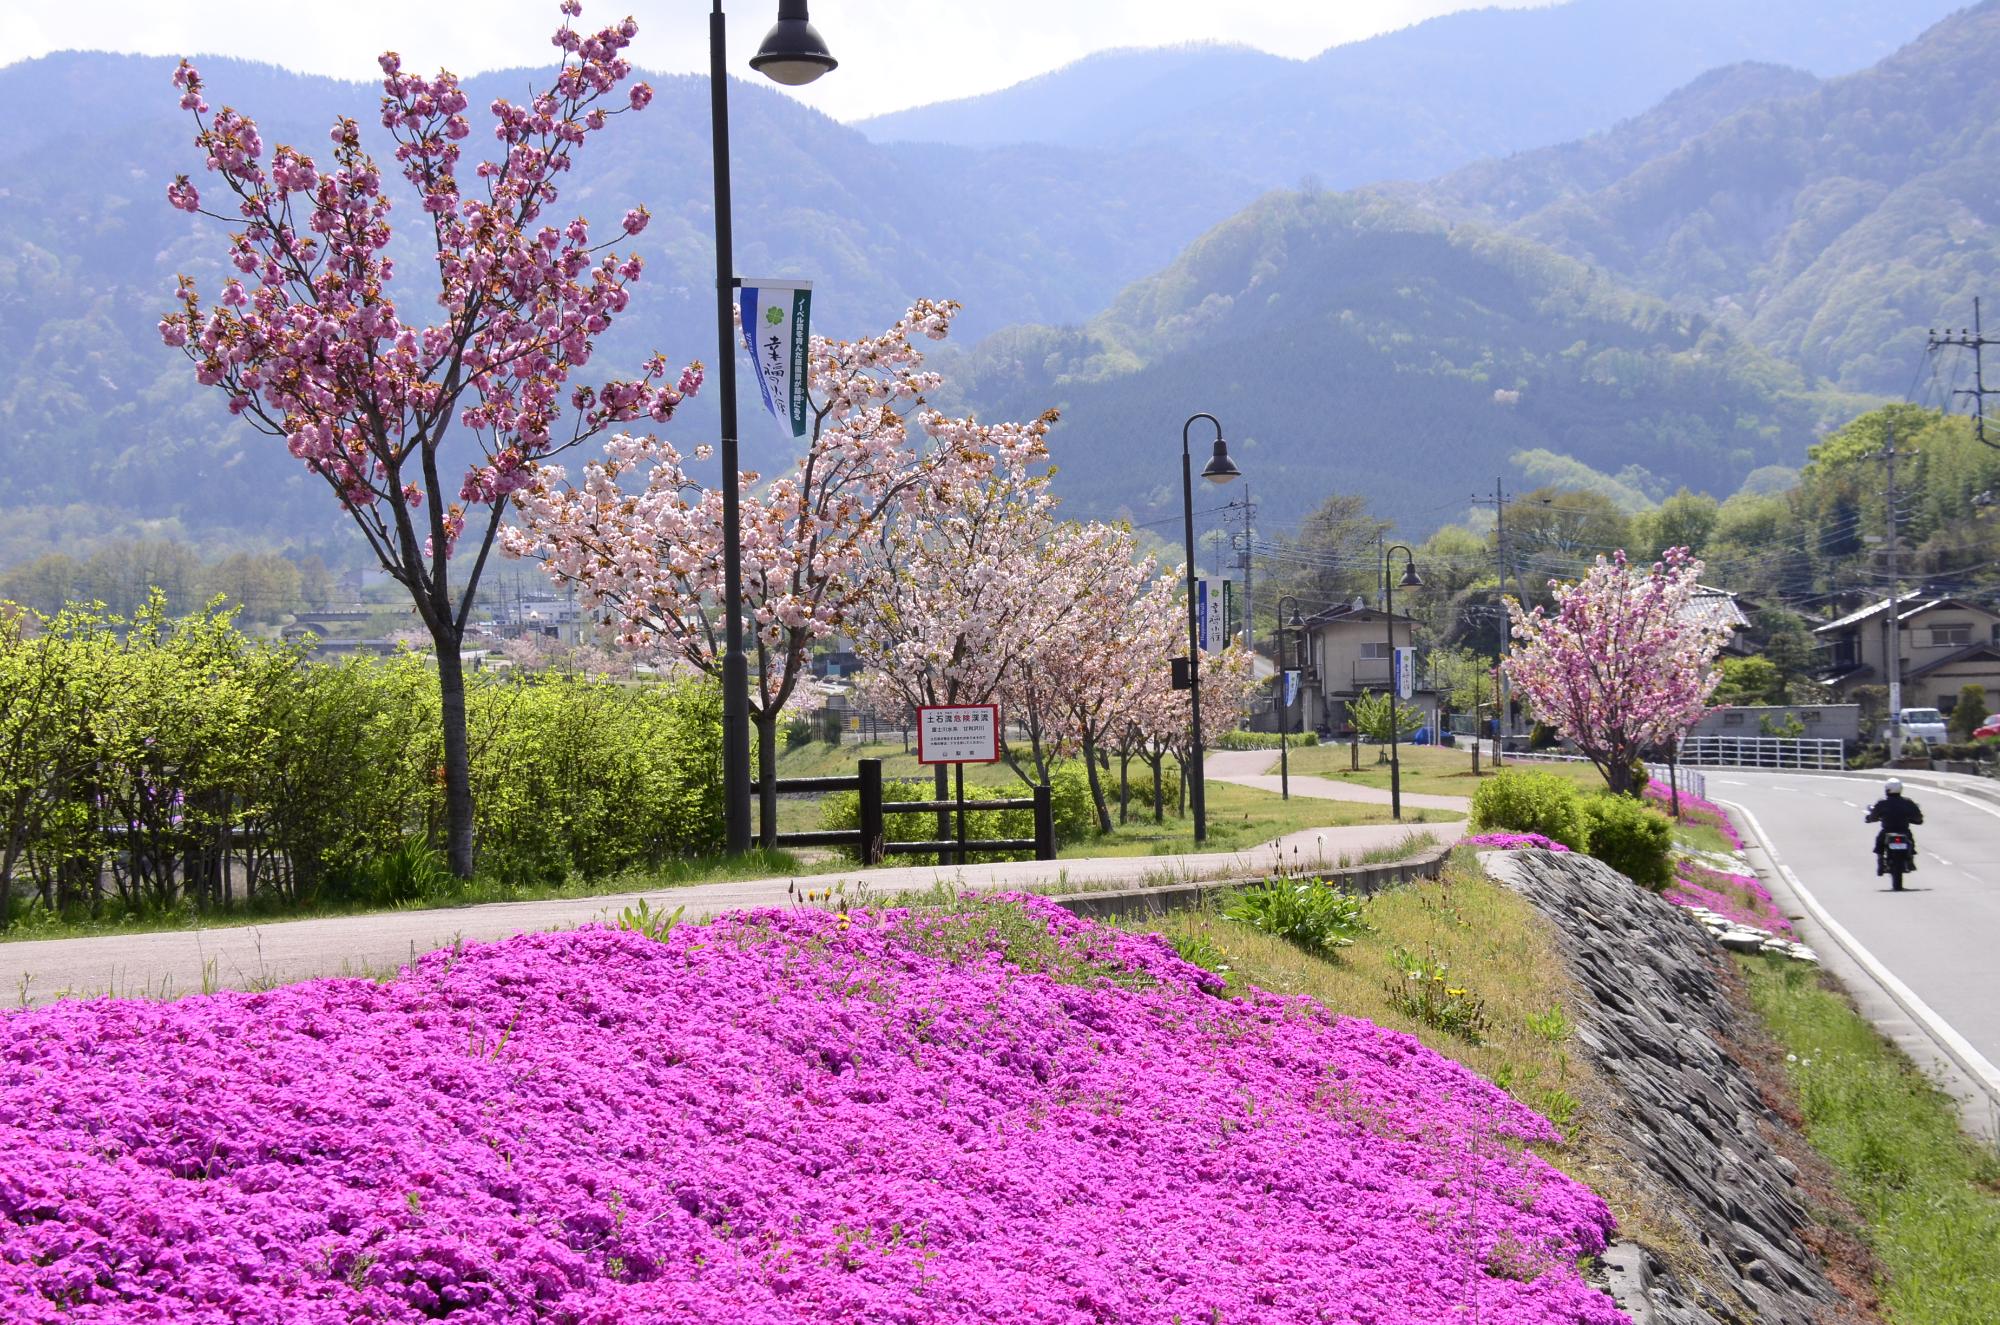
x: 1426, y: 769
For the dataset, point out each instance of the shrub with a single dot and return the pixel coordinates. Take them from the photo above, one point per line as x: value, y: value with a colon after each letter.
x: 1309, y: 912
x: 1139, y: 790
x: 1969, y: 712
x: 1242, y: 740
x: 1531, y: 801
x: 1631, y: 837
x: 1069, y: 803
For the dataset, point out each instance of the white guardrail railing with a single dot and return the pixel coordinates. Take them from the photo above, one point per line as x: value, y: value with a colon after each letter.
x: 1763, y: 752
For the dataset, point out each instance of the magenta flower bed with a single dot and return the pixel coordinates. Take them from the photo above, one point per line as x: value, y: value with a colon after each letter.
x: 778, y: 1117
x: 1740, y: 897
x: 1514, y: 842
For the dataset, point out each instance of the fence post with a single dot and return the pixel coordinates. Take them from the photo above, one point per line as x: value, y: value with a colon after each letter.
x: 871, y: 812
x: 1045, y: 825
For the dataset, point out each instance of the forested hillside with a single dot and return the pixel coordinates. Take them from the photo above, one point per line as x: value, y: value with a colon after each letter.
x: 1832, y: 227
x: 1351, y: 343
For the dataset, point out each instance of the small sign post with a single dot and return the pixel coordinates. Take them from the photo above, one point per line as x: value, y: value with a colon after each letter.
x: 958, y: 734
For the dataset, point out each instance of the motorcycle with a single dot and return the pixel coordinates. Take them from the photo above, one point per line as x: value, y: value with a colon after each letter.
x: 1898, y: 858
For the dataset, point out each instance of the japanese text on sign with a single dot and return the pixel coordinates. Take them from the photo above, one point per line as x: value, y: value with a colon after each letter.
x: 958, y: 734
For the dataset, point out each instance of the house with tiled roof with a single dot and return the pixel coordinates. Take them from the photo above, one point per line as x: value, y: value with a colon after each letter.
x: 1944, y: 643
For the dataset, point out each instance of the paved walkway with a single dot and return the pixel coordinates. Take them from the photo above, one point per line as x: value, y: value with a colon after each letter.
x: 245, y: 957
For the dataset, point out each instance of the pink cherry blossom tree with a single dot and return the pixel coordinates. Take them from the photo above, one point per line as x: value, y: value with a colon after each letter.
x: 1622, y: 665
x: 642, y: 542
x: 312, y: 346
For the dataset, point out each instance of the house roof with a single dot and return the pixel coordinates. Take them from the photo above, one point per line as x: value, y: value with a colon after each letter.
x: 1715, y: 607
x: 1970, y: 653
x: 1917, y: 607
x: 1334, y: 616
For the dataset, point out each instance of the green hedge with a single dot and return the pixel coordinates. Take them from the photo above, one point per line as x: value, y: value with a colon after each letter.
x: 1243, y: 740
x: 158, y: 757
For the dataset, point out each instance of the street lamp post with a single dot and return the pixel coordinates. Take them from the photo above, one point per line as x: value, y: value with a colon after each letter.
x: 792, y: 54
x: 1219, y: 469
x: 1296, y: 624
x: 1410, y: 581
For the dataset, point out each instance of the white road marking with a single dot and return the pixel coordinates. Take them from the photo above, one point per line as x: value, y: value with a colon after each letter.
x: 1955, y: 1046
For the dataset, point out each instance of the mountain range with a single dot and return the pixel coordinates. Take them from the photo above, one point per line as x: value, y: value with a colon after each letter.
x: 1606, y: 299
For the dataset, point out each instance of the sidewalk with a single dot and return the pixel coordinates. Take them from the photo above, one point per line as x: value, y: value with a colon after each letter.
x: 179, y: 962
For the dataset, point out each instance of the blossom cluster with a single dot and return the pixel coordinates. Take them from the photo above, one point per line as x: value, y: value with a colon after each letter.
x: 310, y: 343
x: 1514, y: 842
x: 997, y: 1113
x: 1623, y: 664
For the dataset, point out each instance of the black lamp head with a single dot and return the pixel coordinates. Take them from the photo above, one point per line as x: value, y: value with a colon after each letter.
x: 1220, y: 468
x: 1296, y: 621
x: 793, y: 52
x: 1410, y: 578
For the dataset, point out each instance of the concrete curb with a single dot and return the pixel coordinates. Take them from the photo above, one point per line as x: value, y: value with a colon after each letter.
x: 1364, y: 879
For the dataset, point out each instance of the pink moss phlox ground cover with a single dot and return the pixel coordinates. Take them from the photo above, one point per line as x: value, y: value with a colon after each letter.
x: 999, y: 1114
x: 1740, y: 897
x: 1514, y: 842
x: 1695, y: 810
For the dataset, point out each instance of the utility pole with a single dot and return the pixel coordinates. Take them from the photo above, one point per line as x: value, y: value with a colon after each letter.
x: 1895, y: 660
x: 1503, y: 689
x: 1249, y: 599
x: 1972, y: 338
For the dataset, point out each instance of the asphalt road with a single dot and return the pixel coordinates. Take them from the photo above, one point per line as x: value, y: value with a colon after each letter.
x: 1941, y: 935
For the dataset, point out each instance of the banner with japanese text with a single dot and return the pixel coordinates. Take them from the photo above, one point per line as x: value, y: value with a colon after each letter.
x: 777, y: 331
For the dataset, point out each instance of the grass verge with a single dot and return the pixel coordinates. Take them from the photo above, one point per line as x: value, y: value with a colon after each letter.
x: 1425, y: 768
x: 1930, y: 1195
x: 1501, y: 1007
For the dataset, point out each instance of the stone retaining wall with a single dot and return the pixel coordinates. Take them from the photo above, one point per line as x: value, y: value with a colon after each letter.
x: 1699, y: 1139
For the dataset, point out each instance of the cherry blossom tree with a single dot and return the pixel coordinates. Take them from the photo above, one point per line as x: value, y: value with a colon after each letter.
x: 1623, y: 664
x: 311, y: 345
x: 643, y: 542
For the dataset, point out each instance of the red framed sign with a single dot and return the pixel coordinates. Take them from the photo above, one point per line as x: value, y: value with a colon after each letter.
x: 958, y: 734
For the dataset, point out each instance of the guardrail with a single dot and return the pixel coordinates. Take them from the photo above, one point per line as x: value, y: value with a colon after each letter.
x: 869, y: 838
x: 1764, y: 752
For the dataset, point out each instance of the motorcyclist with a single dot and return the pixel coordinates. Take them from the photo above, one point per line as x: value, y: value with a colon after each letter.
x: 1896, y: 813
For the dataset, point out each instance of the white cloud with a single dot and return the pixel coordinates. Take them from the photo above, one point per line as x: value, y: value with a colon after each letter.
x: 893, y: 53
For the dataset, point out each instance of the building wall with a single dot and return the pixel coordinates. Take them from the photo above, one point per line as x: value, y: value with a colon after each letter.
x: 1823, y: 722
x: 1337, y: 652
x: 1918, y: 648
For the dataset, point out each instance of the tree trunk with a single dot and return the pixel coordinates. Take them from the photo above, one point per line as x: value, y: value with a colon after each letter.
x: 1124, y: 785
x: 1158, y: 760
x: 457, y: 756
x: 1096, y: 784
x: 1181, y: 791
x: 767, y: 777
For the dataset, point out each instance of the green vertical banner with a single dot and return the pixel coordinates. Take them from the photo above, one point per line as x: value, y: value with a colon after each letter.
x: 777, y: 332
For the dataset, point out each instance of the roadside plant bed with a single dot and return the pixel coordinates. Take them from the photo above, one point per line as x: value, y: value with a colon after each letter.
x: 1513, y: 842
x: 1738, y: 897
x: 989, y: 1111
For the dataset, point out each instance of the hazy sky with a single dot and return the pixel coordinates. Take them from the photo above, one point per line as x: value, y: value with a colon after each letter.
x: 893, y: 53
